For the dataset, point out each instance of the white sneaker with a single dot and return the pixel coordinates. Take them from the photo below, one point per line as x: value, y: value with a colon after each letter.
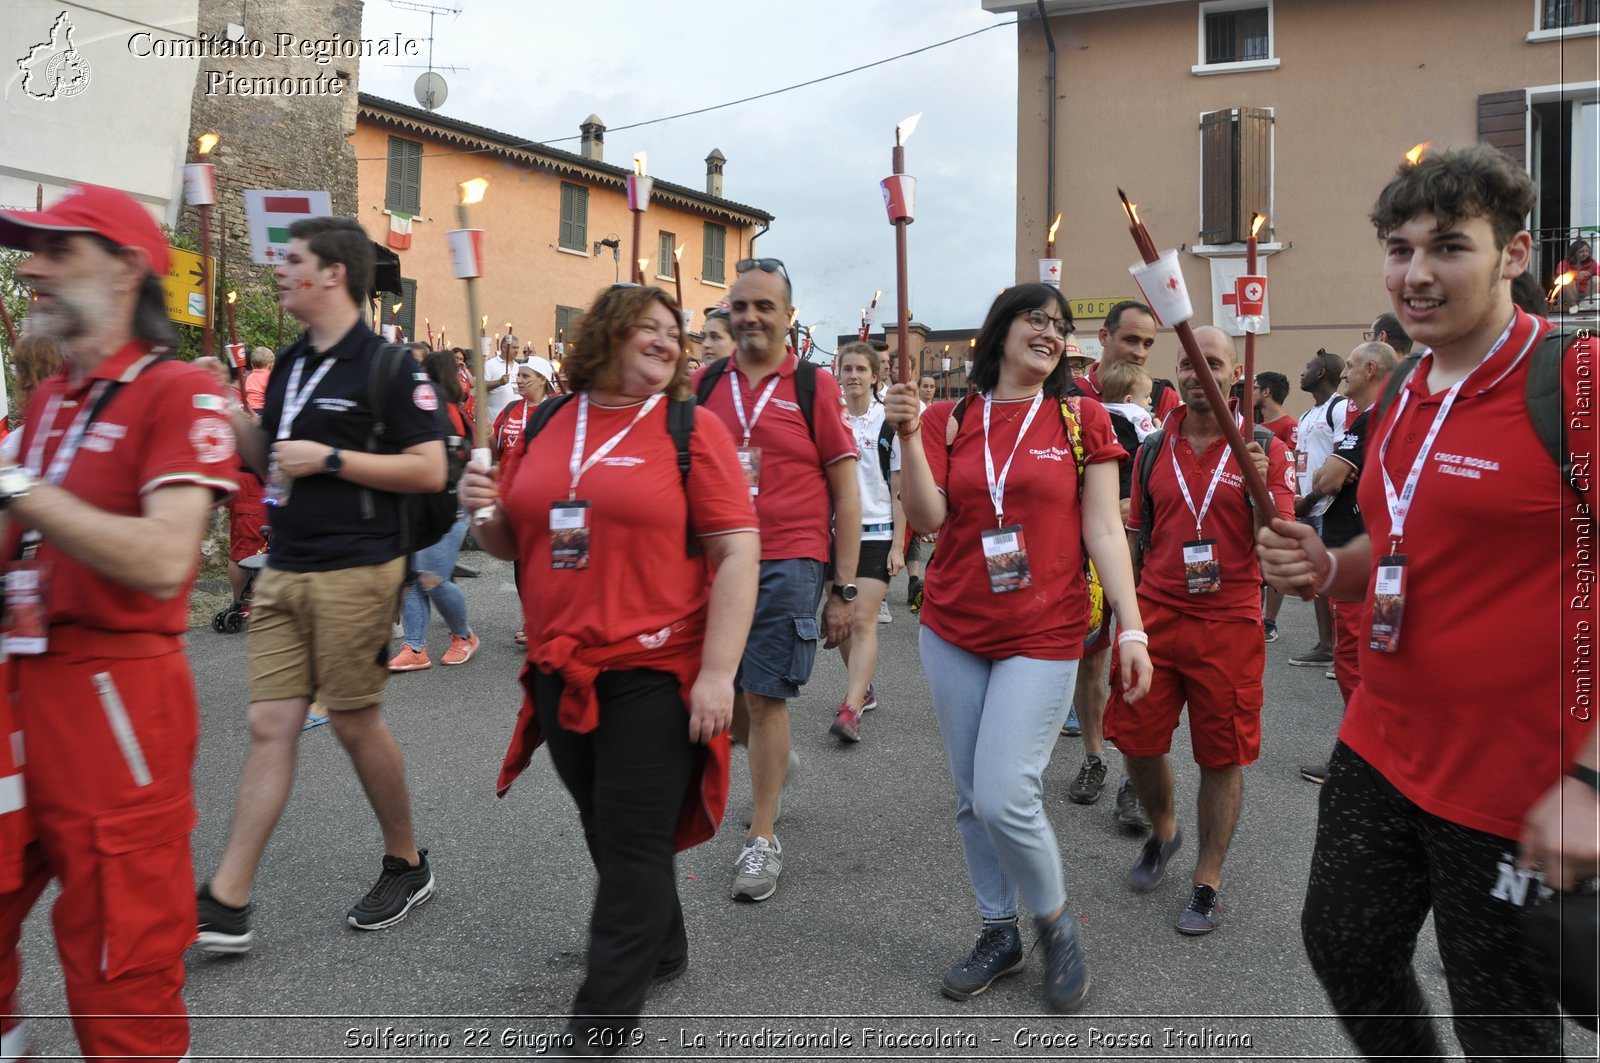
x: 757, y: 870
x: 883, y: 612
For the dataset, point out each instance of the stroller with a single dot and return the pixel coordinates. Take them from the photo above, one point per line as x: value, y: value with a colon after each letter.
x: 230, y: 621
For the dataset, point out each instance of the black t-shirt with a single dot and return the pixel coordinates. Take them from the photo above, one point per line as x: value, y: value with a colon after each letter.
x: 1342, y: 521
x: 329, y: 523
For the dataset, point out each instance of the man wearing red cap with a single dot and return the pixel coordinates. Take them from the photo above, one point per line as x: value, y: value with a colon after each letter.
x: 123, y: 455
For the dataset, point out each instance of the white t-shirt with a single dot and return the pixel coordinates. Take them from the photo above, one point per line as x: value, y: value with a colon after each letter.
x: 502, y: 396
x: 877, y: 508
x: 1317, y: 442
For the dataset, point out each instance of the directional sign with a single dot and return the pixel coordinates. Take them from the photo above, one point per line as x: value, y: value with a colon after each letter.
x: 269, y: 215
x: 185, y: 285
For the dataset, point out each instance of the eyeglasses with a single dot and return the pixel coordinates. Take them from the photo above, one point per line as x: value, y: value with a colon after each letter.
x: 1040, y: 321
x: 765, y: 265
x: 672, y: 334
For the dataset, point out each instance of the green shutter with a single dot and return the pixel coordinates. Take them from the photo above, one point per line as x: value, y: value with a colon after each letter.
x: 714, y: 263
x: 574, y: 235
x: 403, y: 188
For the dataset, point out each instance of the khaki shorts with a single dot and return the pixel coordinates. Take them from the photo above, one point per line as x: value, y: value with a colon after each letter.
x: 323, y: 634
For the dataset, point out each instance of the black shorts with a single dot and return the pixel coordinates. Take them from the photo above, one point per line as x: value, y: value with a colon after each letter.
x: 874, y: 562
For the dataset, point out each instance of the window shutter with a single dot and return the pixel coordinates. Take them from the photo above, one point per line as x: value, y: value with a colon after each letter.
x: 714, y: 265
x: 408, y: 311
x: 1255, y: 169
x: 1502, y: 123
x: 413, y: 180
x: 574, y: 234
x: 1218, y: 189
x: 394, y: 190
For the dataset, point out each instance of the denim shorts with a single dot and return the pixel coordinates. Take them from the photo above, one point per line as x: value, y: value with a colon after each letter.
x: 783, y: 636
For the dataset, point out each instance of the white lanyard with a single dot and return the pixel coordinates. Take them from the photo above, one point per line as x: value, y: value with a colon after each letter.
x: 1183, y: 485
x: 1400, y: 506
x: 578, y: 466
x: 997, y: 487
x: 69, y: 446
x: 295, y: 397
x: 738, y: 402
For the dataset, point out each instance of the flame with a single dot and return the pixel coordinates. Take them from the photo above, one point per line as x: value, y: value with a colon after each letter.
x: 903, y: 131
x: 508, y: 326
x: 207, y: 142
x: 1050, y: 237
x: 395, y: 309
x: 233, y: 297
x: 1255, y: 226
x: 973, y: 342
x: 1414, y: 156
x: 677, y: 252
x: 644, y: 266
x: 472, y: 191
x: 638, y: 163
x: 1562, y: 281
x: 483, y: 323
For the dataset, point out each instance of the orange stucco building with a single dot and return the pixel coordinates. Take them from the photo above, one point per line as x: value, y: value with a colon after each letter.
x: 547, y: 218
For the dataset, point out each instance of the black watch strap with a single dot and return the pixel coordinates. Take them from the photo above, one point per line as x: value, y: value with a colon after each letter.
x: 1585, y: 774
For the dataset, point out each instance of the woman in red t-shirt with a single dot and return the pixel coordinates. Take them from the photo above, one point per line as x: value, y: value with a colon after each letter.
x: 638, y: 587
x: 505, y: 440
x: 1004, y: 611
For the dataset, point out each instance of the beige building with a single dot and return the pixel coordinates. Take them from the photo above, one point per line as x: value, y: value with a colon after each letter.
x: 1206, y: 111
x: 556, y: 225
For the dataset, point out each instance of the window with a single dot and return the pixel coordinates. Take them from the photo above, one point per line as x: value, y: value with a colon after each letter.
x: 665, y: 245
x: 574, y: 218
x: 1567, y: 14
x: 403, y: 192
x: 407, y: 318
x: 567, y: 322
x: 1235, y: 35
x: 1235, y: 172
x: 713, y: 267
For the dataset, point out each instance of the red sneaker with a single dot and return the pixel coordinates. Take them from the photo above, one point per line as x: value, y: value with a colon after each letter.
x: 461, y: 650
x: 847, y: 724
x: 410, y: 660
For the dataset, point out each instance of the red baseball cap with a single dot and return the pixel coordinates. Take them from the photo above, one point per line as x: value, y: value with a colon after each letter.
x: 106, y: 212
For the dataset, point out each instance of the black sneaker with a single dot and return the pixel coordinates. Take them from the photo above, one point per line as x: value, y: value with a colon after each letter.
x: 1204, y: 913
x: 1085, y: 789
x: 1271, y: 630
x: 1151, y: 868
x: 997, y: 954
x: 1317, y: 773
x: 399, y: 889
x: 223, y: 930
x: 1066, y: 973
x: 1130, y: 815
x: 914, y: 592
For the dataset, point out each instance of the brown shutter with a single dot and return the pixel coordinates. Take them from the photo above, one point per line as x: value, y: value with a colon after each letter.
x: 1255, y: 168
x: 1216, y: 177
x: 1502, y: 122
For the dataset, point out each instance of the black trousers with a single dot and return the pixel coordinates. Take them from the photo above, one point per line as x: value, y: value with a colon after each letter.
x: 628, y: 777
x: 1381, y: 863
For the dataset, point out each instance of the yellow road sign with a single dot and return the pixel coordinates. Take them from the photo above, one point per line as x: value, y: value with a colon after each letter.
x: 1092, y: 311
x: 185, y: 284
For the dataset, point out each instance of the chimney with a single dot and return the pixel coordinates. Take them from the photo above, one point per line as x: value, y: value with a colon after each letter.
x: 714, y: 163
x: 594, y: 138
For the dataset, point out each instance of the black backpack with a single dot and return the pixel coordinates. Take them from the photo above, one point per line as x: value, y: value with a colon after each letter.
x: 805, y: 389
x: 1149, y: 450
x: 426, y: 517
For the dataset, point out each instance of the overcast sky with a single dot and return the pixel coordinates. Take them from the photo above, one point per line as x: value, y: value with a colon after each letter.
x: 812, y: 157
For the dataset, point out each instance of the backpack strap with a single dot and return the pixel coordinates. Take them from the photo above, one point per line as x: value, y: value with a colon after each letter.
x: 710, y: 379
x: 885, y: 447
x: 1392, y: 386
x: 1148, y: 451
x: 1544, y: 398
x: 805, y: 393
x: 1327, y: 412
x: 1071, y: 410
x: 680, y: 426
x: 541, y: 416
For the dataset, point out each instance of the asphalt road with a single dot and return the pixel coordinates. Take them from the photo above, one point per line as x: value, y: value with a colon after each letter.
x: 844, y: 960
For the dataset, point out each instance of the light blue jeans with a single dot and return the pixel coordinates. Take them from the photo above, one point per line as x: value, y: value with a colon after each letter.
x: 439, y: 560
x: 1000, y: 720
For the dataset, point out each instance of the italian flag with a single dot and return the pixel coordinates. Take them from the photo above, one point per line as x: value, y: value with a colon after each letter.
x: 399, y: 230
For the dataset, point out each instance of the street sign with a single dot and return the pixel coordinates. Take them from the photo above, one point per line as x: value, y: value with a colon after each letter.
x: 185, y: 285
x: 1086, y: 312
x: 269, y: 215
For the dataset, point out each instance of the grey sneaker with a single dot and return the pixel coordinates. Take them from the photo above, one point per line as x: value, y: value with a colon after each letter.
x: 1204, y: 913
x: 883, y: 612
x: 1313, y: 658
x: 1085, y: 789
x: 758, y: 867
x: 1146, y: 874
x: 997, y: 954
x: 1130, y: 813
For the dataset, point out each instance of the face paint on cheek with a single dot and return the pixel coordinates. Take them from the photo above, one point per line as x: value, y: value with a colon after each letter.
x: 305, y: 284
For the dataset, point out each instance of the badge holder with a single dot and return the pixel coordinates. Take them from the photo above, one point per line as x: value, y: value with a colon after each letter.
x: 569, y: 534
x: 1006, y: 555
x: 27, y: 621
x: 1388, y: 604
x: 1201, y: 570
x: 750, y: 462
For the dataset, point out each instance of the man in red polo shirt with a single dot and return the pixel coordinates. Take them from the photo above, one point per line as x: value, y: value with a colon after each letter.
x: 124, y: 454
x: 1128, y: 334
x: 1459, y: 740
x: 1199, y: 596
x: 799, y: 478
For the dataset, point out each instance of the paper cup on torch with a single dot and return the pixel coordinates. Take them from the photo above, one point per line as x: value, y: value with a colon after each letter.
x: 200, y: 184
x: 639, y: 187
x: 688, y: 319
x: 236, y: 355
x: 1161, y: 282
x: 1250, y: 300
x: 1050, y: 272
x: 466, y: 253
x: 900, y: 197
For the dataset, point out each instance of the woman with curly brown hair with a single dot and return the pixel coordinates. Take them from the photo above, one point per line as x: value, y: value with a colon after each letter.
x: 638, y: 584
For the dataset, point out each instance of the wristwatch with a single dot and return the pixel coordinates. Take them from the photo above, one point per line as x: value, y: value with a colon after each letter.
x: 847, y: 591
x: 333, y: 462
x: 15, y: 482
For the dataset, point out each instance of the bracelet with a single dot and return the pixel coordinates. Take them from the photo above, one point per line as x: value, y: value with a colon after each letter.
x: 1132, y: 636
x: 1585, y: 774
x: 908, y: 435
x: 1322, y: 585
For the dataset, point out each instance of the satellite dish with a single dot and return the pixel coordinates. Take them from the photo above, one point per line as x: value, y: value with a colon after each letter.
x: 431, y: 91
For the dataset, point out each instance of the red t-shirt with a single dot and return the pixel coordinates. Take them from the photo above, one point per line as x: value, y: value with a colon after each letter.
x: 1168, y: 401
x: 166, y: 425
x: 1285, y: 428
x: 640, y: 580
x: 1230, y: 521
x: 1467, y: 718
x: 794, y: 505
x: 1047, y: 621
x: 506, y: 436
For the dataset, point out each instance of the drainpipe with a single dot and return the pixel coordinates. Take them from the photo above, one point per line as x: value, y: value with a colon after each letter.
x: 1050, y: 133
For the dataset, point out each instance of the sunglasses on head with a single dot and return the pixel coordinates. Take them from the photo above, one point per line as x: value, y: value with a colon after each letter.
x: 765, y: 265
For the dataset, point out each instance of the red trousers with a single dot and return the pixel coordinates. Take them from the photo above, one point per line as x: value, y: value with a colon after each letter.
x: 111, y: 726
x: 1349, y: 628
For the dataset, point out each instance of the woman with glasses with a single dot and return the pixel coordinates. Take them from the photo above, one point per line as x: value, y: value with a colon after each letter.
x: 638, y: 584
x: 718, y: 333
x: 1004, y: 612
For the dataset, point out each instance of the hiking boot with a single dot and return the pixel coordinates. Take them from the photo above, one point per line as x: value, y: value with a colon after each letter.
x: 1130, y: 813
x: 883, y: 612
x: 1204, y: 913
x: 223, y: 930
x: 461, y: 650
x: 399, y: 889
x: 1270, y: 627
x: 847, y: 724
x: 1317, y: 773
x: 1066, y: 972
x: 997, y: 954
x: 1085, y: 789
x: 758, y: 867
x: 1316, y: 657
x: 869, y: 702
x: 1071, y: 728
x: 1151, y: 867
x: 914, y: 593
x: 410, y: 660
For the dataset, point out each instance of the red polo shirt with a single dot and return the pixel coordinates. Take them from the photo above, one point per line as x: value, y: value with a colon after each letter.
x: 795, y: 506
x: 165, y: 425
x: 1467, y: 719
x: 1089, y: 384
x: 1285, y: 428
x: 1230, y: 521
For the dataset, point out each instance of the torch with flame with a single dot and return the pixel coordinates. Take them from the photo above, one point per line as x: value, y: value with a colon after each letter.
x: 1050, y: 238
x: 466, y: 255
x: 1414, y: 156
x: 639, y: 186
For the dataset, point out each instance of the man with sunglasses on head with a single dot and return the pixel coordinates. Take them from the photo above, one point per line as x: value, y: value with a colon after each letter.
x: 798, y: 466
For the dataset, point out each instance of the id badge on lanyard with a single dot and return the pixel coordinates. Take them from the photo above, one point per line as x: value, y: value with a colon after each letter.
x: 1201, y: 570
x: 1388, y: 604
x: 569, y: 534
x: 750, y: 465
x: 1006, y: 555
x: 27, y: 620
